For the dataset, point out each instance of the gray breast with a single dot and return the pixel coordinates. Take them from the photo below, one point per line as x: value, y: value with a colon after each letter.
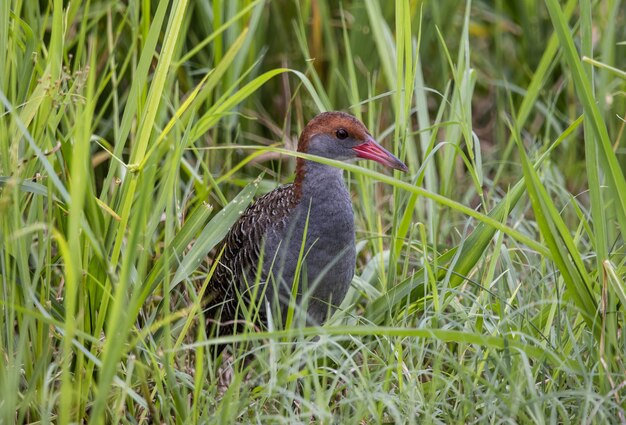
x: 322, y: 267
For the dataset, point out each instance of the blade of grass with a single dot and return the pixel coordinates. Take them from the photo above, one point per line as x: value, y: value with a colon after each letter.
x: 214, y: 232
x: 498, y: 342
x: 119, y: 315
x: 616, y: 181
x: 562, y: 248
x: 224, y: 104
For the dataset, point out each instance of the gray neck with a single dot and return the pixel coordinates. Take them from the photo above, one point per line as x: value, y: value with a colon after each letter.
x: 322, y: 184
x: 326, y: 202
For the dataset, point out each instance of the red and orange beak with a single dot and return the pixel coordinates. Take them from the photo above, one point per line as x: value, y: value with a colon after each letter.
x: 372, y: 150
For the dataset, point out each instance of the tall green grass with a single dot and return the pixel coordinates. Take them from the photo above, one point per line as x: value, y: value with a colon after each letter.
x: 490, y: 279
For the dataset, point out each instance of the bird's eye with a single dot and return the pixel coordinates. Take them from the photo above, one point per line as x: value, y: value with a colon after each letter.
x: 342, y: 134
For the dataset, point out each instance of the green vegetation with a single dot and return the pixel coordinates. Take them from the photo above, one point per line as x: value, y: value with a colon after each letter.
x: 490, y: 282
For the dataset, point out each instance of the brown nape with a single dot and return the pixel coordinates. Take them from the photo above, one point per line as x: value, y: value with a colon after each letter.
x: 326, y: 122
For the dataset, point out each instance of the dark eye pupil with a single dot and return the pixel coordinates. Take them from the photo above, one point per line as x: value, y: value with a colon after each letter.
x: 342, y: 134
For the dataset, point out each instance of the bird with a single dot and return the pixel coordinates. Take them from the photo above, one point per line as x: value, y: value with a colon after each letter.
x: 296, y: 244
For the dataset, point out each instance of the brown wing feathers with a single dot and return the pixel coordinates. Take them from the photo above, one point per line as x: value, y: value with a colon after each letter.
x: 241, y: 252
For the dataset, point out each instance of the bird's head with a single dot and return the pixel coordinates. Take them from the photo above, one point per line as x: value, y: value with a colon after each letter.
x: 340, y: 136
